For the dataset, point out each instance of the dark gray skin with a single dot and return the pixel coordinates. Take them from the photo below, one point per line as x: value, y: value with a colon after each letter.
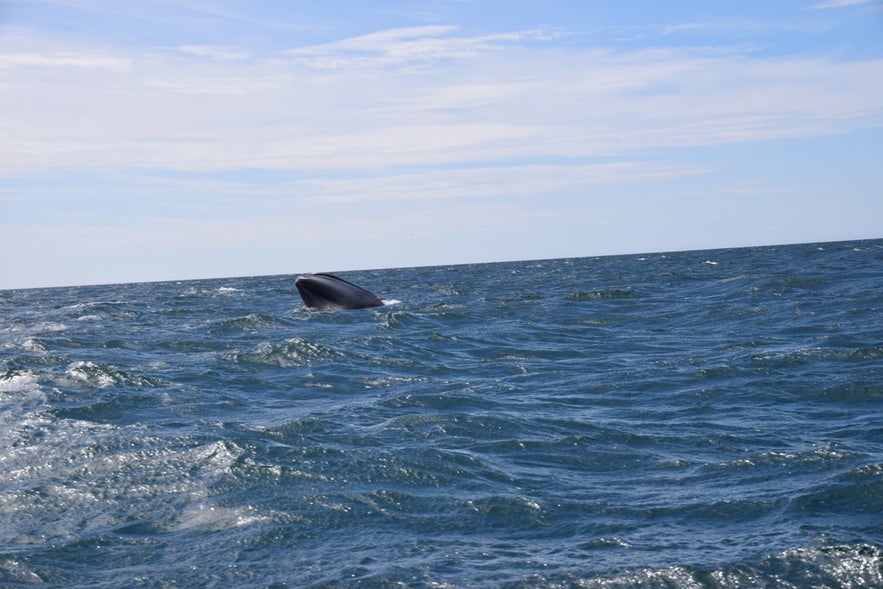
x: 326, y: 292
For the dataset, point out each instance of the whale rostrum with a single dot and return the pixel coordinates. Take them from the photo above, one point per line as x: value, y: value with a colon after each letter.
x: 326, y: 292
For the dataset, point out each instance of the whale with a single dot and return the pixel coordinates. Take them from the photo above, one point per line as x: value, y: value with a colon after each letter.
x: 327, y: 292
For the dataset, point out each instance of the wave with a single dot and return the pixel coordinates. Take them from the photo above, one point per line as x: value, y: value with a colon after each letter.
x: 841, y: 565
x: 607, y: 422
x: 66, y: 479
x: 246, y: 323
x: 614, y: 293
x: 290, y: 353
x: 94, y: 375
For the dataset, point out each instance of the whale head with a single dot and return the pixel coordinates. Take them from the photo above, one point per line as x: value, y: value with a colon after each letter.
x: 326, y: 292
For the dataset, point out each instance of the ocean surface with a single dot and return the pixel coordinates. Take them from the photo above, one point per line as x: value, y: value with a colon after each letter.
x: 683, y: 420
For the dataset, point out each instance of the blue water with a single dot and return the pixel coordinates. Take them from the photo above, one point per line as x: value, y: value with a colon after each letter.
x: 693, y: 419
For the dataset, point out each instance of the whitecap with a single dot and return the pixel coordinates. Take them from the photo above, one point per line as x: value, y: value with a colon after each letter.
x: 90, y: 373
x: 50, y: 327
x: 91, y: 317
x: 215, y: 518
x: 17, y: 381
x: 16, y: 571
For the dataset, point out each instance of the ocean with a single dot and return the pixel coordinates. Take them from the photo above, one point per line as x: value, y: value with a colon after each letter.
x: 668, y: 420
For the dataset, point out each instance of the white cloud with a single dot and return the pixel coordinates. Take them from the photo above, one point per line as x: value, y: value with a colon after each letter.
x: 842, y: 3
x: 159, y: 111
x: 63, y: 60
x: 220, y: 52
x: 405, y: 46
x: 489, y: 182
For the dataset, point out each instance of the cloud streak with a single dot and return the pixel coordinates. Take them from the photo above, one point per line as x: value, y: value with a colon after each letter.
x: 842, y: 3
x: 217, y: 109
x: 409, y: 47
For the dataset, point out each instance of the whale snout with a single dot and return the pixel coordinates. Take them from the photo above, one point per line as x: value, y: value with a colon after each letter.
x: 326, y: 292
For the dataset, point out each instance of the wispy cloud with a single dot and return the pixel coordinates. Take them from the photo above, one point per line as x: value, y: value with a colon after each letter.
x: 492, y: 182
x: 220, y: 52
x: 63, y: 60
x: 842, y: 3
x: 222, y: 109
x: 411, y: 46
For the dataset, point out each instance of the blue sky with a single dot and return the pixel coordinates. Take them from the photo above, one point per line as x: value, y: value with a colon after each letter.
x: 159, y: 140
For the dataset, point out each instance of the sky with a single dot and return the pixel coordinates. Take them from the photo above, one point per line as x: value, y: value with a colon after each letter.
x: 146, y: 140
